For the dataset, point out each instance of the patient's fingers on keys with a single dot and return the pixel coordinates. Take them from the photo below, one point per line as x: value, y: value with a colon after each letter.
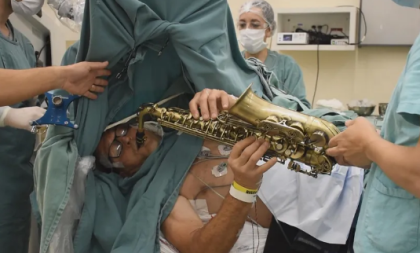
x: 194, y: 106
x: 203, y: 103
x: 239, y: 147
x: 225, y: 101
x: 213, y: 100
x: 248, y: 152
x: 266, y: 166
x: 257, y: 154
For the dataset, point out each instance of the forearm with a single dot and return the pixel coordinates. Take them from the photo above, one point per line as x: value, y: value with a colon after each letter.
x: 19, y: 85
x: 221, y: 233
x: 399, y: 163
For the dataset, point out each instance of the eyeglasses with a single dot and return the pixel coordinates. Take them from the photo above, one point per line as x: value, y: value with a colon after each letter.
x: 121, y: 130
x: 116, y: 147
x: 252, y: 25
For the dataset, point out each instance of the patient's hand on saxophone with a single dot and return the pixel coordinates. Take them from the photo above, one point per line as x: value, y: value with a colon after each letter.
x: 210, y: 103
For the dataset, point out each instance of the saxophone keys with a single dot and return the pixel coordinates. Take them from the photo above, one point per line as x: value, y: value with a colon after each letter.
x: 272, y: 118
x: 298, y: 126
x: 298, y: 152
x: 326, y: 166
x: 319, y: 139
x: 278, y: 144
x: 313, y: 173
x: 296, y: 131
x: 322, y: 165
x: 294, y: 166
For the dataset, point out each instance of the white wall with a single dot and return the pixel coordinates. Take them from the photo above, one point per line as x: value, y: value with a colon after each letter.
x: 35, y: 27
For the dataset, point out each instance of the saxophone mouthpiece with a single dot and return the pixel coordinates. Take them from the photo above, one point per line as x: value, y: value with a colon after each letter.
x: 140, y: 138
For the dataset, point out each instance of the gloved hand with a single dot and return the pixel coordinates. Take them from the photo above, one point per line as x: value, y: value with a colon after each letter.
x: 21, y: 117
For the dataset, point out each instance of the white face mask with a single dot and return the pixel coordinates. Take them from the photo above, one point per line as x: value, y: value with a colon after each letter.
x: 27, y: 7
x: 253, y: 40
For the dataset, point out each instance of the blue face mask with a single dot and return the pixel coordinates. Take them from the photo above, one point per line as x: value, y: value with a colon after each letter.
x: 408, y: 3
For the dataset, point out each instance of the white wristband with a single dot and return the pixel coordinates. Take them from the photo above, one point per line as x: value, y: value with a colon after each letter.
x: 244, y: 197
x: 3, y: 113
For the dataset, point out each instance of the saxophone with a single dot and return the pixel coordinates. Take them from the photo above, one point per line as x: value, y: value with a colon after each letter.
x: 291, y: 135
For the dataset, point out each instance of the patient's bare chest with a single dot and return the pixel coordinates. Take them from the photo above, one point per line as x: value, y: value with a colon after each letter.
x: 206, y: 178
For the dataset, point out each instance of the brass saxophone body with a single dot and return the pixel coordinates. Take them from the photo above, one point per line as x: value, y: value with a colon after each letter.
x: 292, y: 135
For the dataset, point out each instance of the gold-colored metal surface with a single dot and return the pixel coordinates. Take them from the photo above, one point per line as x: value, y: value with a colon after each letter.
x: 292, y: 135
x: 40, y: 132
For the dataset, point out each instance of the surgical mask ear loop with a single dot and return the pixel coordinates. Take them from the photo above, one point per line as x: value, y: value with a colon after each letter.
x: 271, y: 41
x: 271, y: 37
x: 271, y: 34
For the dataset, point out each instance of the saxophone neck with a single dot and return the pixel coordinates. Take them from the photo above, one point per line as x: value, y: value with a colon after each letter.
x: 143, y: 112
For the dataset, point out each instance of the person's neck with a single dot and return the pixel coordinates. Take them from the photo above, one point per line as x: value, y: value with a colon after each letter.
x: 262, y: 55
x: 5, y: 11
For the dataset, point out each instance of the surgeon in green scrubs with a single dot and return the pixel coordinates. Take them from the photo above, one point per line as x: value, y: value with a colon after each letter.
x: 16, y: 146
x: 389, y: 219
x: 256, y: 25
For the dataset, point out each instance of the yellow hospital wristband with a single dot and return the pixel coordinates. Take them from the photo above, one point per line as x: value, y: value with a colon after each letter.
x: 241, y: 196
x: 243, y: 189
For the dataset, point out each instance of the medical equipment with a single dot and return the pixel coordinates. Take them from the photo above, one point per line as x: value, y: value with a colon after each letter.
x: 362, y: 110
x: 291, y: 134
x: 56, y: 113
x: 362, y: 107
x: 339, y: 41
x: 292, y: 38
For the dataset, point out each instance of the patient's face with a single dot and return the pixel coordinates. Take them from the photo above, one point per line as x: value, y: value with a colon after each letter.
x: 120, y: 146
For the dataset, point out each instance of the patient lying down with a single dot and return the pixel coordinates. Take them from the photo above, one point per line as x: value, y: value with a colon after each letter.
x: 205, y: 217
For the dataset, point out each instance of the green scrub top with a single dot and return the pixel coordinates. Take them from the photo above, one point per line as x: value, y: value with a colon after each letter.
x: 288, y: 73
x: 389, y: 216
x: 16, y: 149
